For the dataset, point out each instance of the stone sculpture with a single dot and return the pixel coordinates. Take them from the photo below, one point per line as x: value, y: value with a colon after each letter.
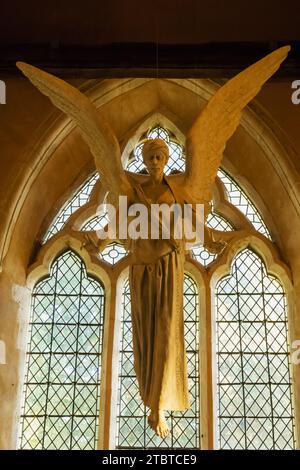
x: 156, y: 272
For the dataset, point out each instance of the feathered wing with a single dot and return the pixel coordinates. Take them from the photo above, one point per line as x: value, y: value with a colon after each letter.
x: 219, y: 119
x: 94, y: 129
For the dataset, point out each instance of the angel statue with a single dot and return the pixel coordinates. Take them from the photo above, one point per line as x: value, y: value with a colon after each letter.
x: 157, y: 265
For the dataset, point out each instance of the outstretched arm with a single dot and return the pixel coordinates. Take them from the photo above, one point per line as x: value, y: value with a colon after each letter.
x: 97, y: 240
x: 215, y: 241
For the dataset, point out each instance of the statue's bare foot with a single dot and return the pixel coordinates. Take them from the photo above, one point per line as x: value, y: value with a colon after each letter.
x: 157, y: 422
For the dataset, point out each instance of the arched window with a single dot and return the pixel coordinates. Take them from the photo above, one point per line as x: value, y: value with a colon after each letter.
x: 133, y: 431
x: 62, y: 386
x: 253, y: 384
x: 253, y: 377
x: 176, y: 162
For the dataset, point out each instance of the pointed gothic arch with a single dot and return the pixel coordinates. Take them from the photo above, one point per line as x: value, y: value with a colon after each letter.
x: 272, y: 151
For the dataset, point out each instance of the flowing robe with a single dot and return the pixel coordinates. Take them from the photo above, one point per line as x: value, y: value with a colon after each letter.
x: 156, y: 286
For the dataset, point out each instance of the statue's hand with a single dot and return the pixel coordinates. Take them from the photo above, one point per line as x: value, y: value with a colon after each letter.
x: 216, y: 241
x: 215, y: 247
x: 102, y: 244
x: 91, y: 242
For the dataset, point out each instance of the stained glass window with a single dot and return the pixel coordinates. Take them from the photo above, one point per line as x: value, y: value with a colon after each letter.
x: 113, y: 253
x: 254, y: 382
x: 62, y: 385
x: 176, y: 159
x: 96, y: 223
x: 80, y: 198
x: 201, y: 254
x: 176, y: 162
x: 134, y: 431
x: 61, y: 404
x: 239, y: 199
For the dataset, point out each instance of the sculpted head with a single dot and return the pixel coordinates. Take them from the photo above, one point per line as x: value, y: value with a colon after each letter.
x: 155, y: 155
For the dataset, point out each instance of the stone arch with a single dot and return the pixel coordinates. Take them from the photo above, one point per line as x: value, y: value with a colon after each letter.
x: 165, y: 97
x: 57, y: 160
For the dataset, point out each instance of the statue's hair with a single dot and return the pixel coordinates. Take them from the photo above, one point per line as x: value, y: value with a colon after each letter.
x: 151, y: 145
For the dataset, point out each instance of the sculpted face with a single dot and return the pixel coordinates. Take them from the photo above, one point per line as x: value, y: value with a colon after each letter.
x: 155, y: 155
x: 155, y: 163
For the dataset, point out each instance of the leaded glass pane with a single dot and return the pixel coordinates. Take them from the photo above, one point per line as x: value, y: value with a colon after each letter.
x: 113, y: 253
x: 253, y: 382
x: 239, y: 199
x: 133, y: 430
x: 62, y: 386
x: 176, y: 159
x: 96, y: 223
x: 176, y: 162
x: 80, y: 198
x: 201, y: 254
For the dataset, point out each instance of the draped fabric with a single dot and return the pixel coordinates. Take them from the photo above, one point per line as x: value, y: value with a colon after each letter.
x: 157, y: 320
x: 158, y: 332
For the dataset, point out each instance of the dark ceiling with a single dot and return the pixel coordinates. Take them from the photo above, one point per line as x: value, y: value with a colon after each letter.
x: 172, y: 37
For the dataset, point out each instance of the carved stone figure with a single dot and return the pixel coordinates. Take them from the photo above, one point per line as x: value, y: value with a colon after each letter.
x: 156, y: 272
